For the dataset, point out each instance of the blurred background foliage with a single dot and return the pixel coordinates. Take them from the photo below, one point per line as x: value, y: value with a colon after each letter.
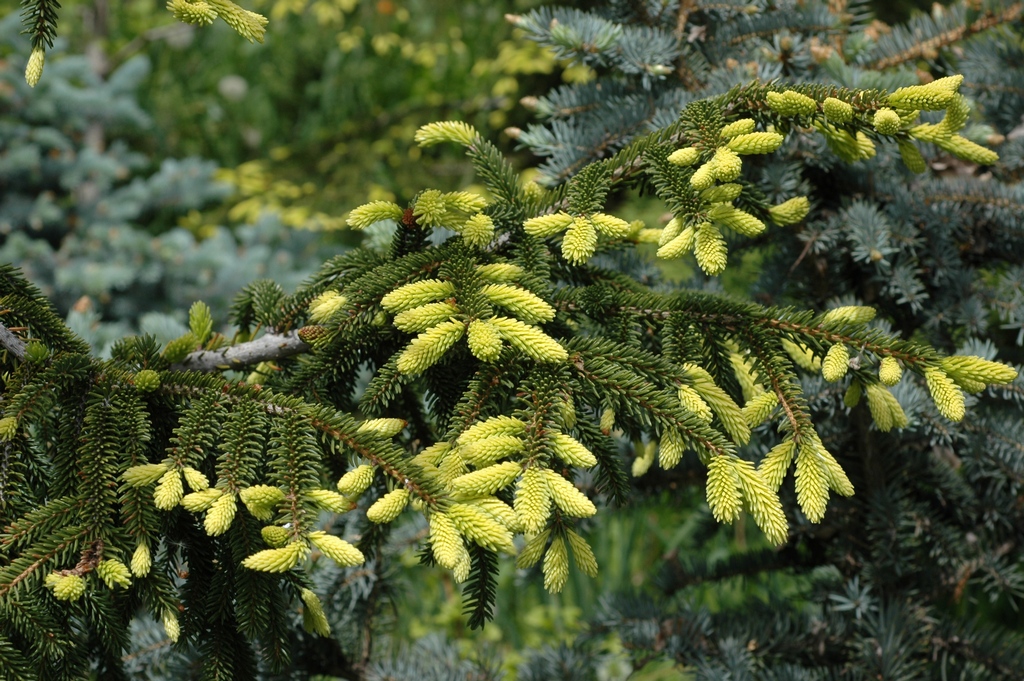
x: 156, y: 164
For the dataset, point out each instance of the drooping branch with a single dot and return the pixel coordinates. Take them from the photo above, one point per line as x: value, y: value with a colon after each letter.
x: 266, y: 348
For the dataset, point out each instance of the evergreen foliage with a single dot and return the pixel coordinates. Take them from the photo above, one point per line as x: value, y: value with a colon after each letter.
x: 504, y: 361
x: 917, y: 575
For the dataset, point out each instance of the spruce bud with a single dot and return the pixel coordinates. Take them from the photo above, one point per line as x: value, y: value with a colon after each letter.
x: 478, y: 231
x: 556, y: 566
x: 790, y: 212
x: 337, y: 549
x: 743, y: 126
x: 142, y: 560
x: 8, y: 428
x: 484, y: 340
x: 837, y: 110
x: 756, y: 143
x: 836, y: 363
x: 388, y: 507
x: 274, y: 536
x: 886, y: 121
x: 355, y: 482
x: 372, y: 213
x: 147, y: 380
x: 114, y: 572
x: 36, y: 352
x: 889, y: 371
x: 686, y: 156
x: 945, y: 393
x: 34, y: 67
x: 313, y: 618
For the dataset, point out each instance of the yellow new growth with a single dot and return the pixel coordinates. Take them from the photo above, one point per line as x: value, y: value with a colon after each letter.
x: 486, y: 480
x: 445, y: 541
x: 478, y: 230
x: 547, y: 225
x: 678, y: 245
x: 710, y: 249
x: 372, y: 213
x: 499, y: 272
x: 169, y: 490
x: 424, y: 317
x: 313, y: 617
x: 533, y: 550
x: 496, y: 425
x: 571, y: 451
x: 427, y: 348
x: 580, y: 241
x: 756, y: 143
x: 532, y: 501
x: 727, y: 410
x: 889, y: 371
x: 277, y: 560
x: 325, y: 305
x: 582, y: 553
x: 445, y: 131
x: 726, y: 164
x: 607, y: 420
x: 337, y: 549
x: 776, y: 462
x: 384, y: 428
x: 886, y: 121
x: 355, y: 482
x: 757, y: 410
x: 146, y: 474
x: 848, y: 314
x: 837, y: 110
x: 220, y: 516
x: 790, y: 212
x: 556, y: 566
x: 836, y: 363
x: 142, y: 560
x: 480, y: 527
x: 670, y: 449
x: 885, y: 408
x: 686, y: 156
x: 388, y: 507
x: 415, y: 294
x: 114, y: 573
x: 529, y: 339
x: 260, y: 500
x: 743, y: 126
x: 274, y: 536
x: 761, y: 502
x: 945, y: 393
x: 487, y: 450
x: 972, y: 369
x: 484, y: 340
x: 330, y: 501
x: 524, y: 304
x: 171, y: 626
x: 570, y: 500
x: 644, y: 461
x: 735, y: 219
x: 34, y: 67
x: 791, y: 103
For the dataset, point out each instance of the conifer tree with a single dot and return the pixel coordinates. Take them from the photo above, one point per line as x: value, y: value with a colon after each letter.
x: 910, y: 577
x: 480, y: 375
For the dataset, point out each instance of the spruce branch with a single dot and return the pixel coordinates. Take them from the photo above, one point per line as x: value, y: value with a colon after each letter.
x: 11, y: 342
x: 267, y: 348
